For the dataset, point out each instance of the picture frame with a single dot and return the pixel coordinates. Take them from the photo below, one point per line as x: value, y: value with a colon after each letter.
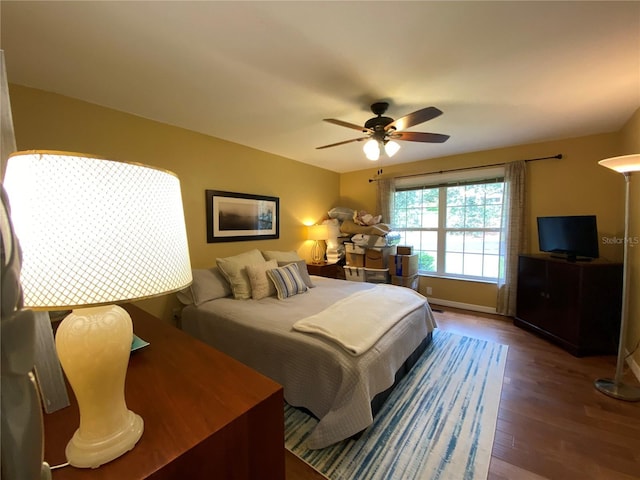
x: 234, y: 217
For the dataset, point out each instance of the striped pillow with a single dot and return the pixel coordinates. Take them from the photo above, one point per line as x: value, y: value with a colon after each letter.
x: 287, y: 280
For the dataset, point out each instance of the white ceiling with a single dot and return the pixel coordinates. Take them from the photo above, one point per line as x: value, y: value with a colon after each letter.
x: 264, y: 74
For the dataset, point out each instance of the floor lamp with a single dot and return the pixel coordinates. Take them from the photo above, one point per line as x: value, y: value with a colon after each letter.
x: 615, y: 387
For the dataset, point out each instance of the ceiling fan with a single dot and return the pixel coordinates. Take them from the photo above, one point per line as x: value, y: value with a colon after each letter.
x: 382, y: 131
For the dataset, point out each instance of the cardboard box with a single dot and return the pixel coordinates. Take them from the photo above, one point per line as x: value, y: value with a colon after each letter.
x: 404, y: 250
x: 354, y: 274
x: 376, y: 275
x: 355, y: 259
x: 409, y: 282
x: 404, y: 265
x: 378, y: 257
x: 353, y: 248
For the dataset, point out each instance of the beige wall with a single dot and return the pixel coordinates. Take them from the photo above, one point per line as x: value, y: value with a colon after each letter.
x: 45, y: 120
x: 574, y: 185
x: 629, y: 144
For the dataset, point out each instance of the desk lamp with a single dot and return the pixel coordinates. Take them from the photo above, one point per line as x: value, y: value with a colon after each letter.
x: 615, y: 387
x: 94, y: 232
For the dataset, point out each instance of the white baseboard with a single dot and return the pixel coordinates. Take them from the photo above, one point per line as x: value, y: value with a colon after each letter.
x: 635, y: 368
x: 464, y: 306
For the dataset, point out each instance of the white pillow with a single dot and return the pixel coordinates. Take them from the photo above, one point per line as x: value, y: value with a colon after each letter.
x: 261, y: 286
x: 208, y: 284
x: 235, y: 271
x: 287, y: 281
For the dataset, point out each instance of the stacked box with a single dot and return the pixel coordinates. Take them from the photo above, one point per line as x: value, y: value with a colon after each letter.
x: 355, y: 255
x: 378, y: 257
x: 409, y: 282
x: 403, y: 265
x: 354, y: 274
x: 404, y: 250
x: 376, y: 275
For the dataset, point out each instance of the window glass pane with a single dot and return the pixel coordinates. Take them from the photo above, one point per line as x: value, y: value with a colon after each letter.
x: 474, y: 216
x: 493, y: 192
x: 455, y: 196
x: 429, y: 240
x: 472, y: 264
x: 412, y: 237
x: 491, y: 265
x: 430, y: 197
x: 473, y: 242
x: 455, y: 217
x: 413, y: 218
x: 492, y: 243
x: 427, y: 260
x: 474, y: 195
x: 493, y: 216
x: 430, y: 217
x: 453, y: 263
x: 455, y: 242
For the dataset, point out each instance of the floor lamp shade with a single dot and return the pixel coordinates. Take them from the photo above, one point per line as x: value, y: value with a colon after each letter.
x: 615, y: 387
x: 94, y: 232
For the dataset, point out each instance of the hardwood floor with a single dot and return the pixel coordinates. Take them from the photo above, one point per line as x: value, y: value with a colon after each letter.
x: 552, y: 422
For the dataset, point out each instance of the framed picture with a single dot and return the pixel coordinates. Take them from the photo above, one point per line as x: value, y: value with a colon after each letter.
x: 233, y: 217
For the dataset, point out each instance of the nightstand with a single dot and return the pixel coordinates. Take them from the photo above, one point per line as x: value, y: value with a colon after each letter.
x: 329, y: 270
x: 205, y: 414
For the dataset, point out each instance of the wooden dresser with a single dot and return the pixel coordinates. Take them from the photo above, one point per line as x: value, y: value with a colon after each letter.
x: 205, y: 415
x: 574, y: 304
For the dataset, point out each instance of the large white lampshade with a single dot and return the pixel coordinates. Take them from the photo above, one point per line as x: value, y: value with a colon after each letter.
x: 615, y: 387
x: 93, y: 232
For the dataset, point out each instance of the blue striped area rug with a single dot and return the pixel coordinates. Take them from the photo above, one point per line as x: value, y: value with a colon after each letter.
x: 439, y: 422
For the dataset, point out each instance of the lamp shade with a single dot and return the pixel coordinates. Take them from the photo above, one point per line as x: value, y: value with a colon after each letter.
x: 318, y: 232
x: 622, y: 164
x: 95, y: 231
x: 391, y: 148
x: 372, y: 149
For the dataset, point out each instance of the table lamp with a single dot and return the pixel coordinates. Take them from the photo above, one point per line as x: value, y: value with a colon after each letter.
x: 317, y: 233
x: 94, y: 232
x: 615, y: 387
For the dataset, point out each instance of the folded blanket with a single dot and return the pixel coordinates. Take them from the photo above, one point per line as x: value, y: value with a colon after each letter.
x: 357, y: 322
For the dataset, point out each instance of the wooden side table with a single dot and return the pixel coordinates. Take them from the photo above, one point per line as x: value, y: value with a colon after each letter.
x: 330, y: 270
x: 205, y: 414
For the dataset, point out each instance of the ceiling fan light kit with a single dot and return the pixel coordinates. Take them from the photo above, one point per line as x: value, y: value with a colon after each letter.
x: 382, y: 131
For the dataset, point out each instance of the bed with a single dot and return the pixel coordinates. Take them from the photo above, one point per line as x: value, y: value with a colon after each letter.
x: 341, y: 388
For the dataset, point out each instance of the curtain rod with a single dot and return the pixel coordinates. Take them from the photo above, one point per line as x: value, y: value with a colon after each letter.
x: 558, y: 156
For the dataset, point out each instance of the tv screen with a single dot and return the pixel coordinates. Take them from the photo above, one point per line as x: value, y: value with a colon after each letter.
x: 574, y: 237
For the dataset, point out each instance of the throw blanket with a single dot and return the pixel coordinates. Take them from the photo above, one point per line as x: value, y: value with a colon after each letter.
x: 358, y: 321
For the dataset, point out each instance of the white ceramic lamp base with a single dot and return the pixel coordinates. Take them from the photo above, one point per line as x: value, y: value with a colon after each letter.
x: 93, y: 345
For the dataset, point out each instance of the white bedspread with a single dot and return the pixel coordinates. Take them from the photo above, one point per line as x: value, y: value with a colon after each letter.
x: 357, y: 322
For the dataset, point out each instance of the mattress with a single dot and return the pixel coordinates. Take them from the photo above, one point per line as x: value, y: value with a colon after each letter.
x: 317, y: 374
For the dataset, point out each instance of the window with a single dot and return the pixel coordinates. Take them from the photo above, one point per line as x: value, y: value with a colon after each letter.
x: 455, y: 228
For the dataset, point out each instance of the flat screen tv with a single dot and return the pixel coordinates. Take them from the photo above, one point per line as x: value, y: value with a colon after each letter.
x: 572, y: 237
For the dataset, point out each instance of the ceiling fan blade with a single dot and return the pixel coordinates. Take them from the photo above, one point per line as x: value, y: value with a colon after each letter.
x: 342, y: 143
x: 415, y: 118
x: 420, y: 137
x: 347, y: 124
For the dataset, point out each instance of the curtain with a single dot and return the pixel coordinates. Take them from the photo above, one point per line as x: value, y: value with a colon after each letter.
x: 384, y: 199
x: 514, y: 236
